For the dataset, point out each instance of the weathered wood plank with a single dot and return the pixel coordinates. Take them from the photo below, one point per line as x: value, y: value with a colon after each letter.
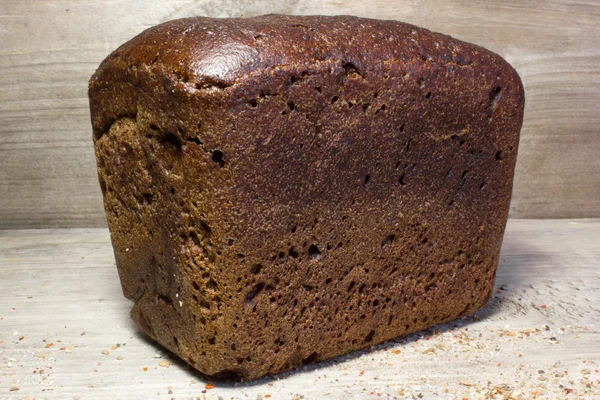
x: 50, y: 49
x: 61, y: 306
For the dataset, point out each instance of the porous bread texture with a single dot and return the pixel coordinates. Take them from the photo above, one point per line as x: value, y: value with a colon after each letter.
x: 281, y: 190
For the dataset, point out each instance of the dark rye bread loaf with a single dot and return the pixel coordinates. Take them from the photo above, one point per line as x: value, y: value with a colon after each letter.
x: 282, y: 190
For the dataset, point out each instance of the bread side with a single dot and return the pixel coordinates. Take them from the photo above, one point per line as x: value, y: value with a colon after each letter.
x: 281, y: 190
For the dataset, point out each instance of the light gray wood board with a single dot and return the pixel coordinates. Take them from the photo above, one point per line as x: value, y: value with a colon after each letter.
x: 61, y: 306
x: 50, y: 49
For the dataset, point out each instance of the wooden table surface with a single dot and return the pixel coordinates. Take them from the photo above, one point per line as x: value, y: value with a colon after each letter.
x: 65, y: 331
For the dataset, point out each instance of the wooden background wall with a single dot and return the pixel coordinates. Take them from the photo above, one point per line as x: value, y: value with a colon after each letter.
x: 50, y: 48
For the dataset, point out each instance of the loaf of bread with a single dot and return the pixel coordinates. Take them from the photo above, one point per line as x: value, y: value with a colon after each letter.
x: 281, y: 190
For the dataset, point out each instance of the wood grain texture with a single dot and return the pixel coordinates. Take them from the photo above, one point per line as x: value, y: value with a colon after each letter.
x: 50, y: 49
x: 61, y: 306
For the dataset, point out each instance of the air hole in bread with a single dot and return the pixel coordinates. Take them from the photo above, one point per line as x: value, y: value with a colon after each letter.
x: 401, y: 180
x: 313, y: 251
x: 351, y: 286
x: 217, y: 156
x: 311, y: 358
x: 255, y: 291
x: 165, y: 300
x: 495, y: 95
x: 256, y: 269
x: 293, y: 253
x: 211, y: 285
x: 172, y: 139
x: 388, y: 240
x: 361, y: 289
x: 350, y: 68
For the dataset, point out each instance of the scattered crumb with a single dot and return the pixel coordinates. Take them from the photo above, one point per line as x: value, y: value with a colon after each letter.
x: 105, y: 352
x: 165, y: 364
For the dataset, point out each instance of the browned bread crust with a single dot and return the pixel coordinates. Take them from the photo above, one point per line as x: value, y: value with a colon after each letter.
x: 282, y: 190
